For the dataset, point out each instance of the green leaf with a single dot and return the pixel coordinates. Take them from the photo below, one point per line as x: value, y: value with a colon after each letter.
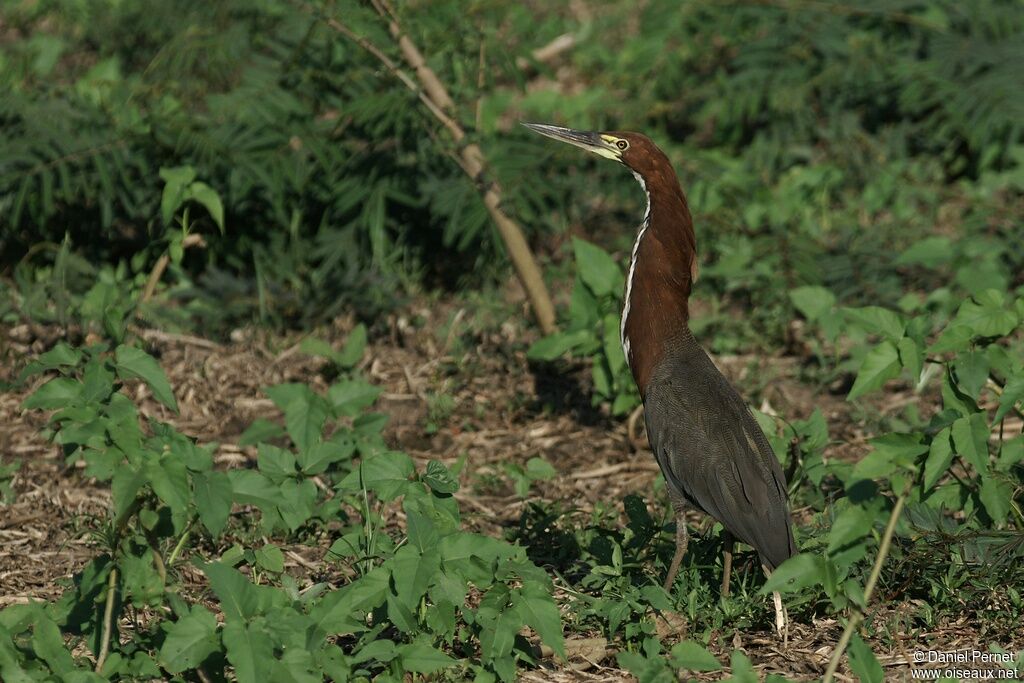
x: 929, y: 252
x: 238, y: 597
x: 355, y: 347
x: 850, y: 525
x: 260, y: 430
x: 911, y: 357
x: 270, y: 558
x: 55, y: 394
x: 208, y: 197
x: 351, y: 397
x: 553, y: 346
x: 996, y: 495
x: 539, y: 469
x: 1012, y: 393
x: 890, y: 453
x: 423, y: 658
x: 253, y: 488
x: 971, y: 370
x: 304, y: 412
x: 321, y: 456
x: 176, y: 180
x: 136, y: 363
x: 48, y: 644
x: 940, y: 456
x: 59, y: 356
x: 878, y: 320
x: 538, y: 610
x: 880, y: 365
x: 812, y: 301
x: 970, y: 437
x: 863, y: 662
x: 439, y: 479
x: 386, y: 474
x: 249, y: 649
x: 795, y: 573
x: 596, y: 268
x: 693, y: 656
x: 276, y: 463
x: 985, y: 314
x: 212, y: 492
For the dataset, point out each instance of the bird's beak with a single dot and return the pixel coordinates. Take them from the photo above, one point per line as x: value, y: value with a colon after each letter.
x: 588, y: 140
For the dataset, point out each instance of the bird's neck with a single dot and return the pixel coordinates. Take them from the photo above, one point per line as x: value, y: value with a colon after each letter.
x: 662, y: 268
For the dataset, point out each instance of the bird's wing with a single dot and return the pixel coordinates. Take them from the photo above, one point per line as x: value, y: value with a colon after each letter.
x: 712, y: 451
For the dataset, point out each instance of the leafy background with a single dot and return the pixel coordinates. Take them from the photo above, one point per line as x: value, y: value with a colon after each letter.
x: 202, y: 169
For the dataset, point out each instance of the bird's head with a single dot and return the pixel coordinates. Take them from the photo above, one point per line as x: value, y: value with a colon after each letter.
x: 633, y: 150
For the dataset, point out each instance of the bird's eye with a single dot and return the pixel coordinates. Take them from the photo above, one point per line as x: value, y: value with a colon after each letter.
x: 622, y: 144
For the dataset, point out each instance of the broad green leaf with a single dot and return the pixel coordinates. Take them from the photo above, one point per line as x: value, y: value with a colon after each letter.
x: 321, y: 456
x: 176, y: 181
x: 238, y: 598
x: 930, y: 252
x: 553, y: 346
x: 996, y: 495
x: 61, y: 355
x: 863, y: 662
x: 1013, y: 392
x: 55, y: 394
x: 596, y: 268
x: 439, y: 479
x: 252, y: 487
x: 212, y: 493
x: 850, y: 525
x: 140, y: 580
x: 812, y: 301
x: 890, y: 453
x: 422, y: 657
x: 986, y: 315
x: 795, y: 573
x: 387, y: 474
x: 355, y: 347
x: 911, y: 357
x: 210, y: 200
x: 136, y: 363
x: 304, y: 412
x: 48, y: 644
x: 971, y: 369
x: 693, y: 656
x: 351, y: 397
x: 270, y: 558
x: 970, y: 437
x: 249, y: 649
x: 940, y: 456
x: 276, y: 463
x: 345, y: 609
x: 538, y: 610
x: 260, y: 430
x: 880, y: 365
x: 878, y: 320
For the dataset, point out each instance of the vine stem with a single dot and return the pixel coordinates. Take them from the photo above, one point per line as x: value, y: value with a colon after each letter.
x: 869, y: 587
x: 108, y: 619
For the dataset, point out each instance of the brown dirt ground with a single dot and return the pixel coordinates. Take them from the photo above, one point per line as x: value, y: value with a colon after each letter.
x: 504, y: 411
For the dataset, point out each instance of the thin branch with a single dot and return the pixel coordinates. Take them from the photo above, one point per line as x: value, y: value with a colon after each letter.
x: 434, y: 96
x: 108, y: 619
x: 869, y: 587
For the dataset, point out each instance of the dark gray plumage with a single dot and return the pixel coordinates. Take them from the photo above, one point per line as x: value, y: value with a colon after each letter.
x: 712, y: 452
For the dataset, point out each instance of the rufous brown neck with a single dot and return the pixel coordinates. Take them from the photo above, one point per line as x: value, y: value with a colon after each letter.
x: 662, y: 266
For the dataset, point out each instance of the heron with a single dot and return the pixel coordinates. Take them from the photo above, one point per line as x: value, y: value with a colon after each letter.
x: 710, y: 449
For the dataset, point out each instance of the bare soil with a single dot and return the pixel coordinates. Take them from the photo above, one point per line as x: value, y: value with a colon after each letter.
x: 502, y: 410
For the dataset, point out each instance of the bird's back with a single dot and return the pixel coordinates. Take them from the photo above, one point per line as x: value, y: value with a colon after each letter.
x: 713, y: 453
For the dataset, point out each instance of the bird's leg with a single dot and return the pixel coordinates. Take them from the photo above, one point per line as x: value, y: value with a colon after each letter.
x: 781, y: 619
x: 682, y: 539
x: 729, y: 542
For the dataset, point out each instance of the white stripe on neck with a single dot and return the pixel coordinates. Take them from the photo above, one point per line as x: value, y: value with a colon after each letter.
x: 632, y: 269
